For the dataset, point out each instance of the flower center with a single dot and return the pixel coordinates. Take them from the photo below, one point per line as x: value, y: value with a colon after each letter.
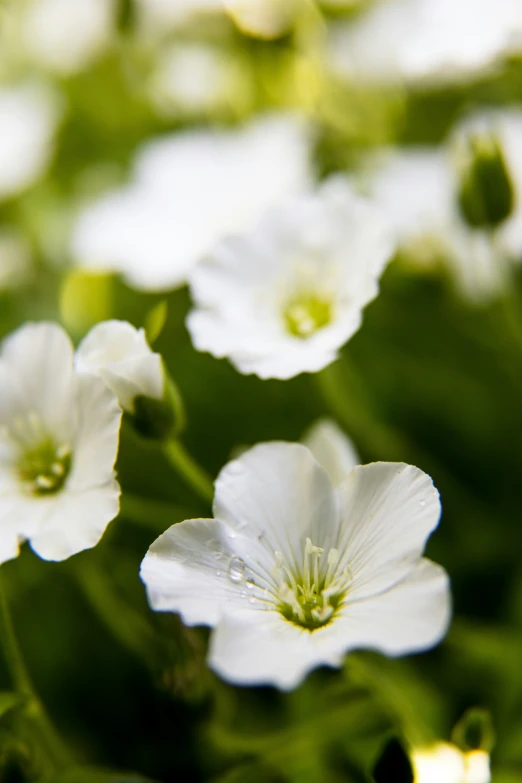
x: 44, y: 468
x: 305, y: 313
x: 310, y: 599
x: 41, y: 463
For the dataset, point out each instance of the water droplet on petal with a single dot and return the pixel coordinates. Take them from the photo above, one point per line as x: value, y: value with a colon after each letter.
x: 218, y: 573
x: 250, y: 584
x: 252, y: 599
x: 236, y: 569
x: 422, y: 503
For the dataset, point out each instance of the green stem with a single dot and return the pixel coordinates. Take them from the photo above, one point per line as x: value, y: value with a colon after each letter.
x: 152, y: 513
x: 510, y: 312
x: 51, y: 742
x: 389, y: 693
x: 191, y: 472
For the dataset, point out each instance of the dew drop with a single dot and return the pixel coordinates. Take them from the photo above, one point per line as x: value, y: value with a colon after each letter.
x: 252, y: 599
x: 250, y: 584
x: 236, y: 569
x: 218, y: 573
x: 422, y: 503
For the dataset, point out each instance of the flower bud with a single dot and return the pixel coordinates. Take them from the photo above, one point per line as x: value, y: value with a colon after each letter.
x: 486, y: 196
x: 474, y: 731
x: 121, y: 355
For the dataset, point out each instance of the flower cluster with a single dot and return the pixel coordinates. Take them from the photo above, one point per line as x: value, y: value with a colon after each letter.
x: 259, y: 225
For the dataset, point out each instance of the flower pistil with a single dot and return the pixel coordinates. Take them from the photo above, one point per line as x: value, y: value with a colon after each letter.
x: 311, y: 598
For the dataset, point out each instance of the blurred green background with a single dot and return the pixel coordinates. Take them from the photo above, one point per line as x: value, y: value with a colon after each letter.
x: 430, y: 379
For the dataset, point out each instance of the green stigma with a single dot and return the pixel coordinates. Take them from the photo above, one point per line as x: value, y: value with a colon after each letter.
x: 306, y: 314
x: 44, y: 469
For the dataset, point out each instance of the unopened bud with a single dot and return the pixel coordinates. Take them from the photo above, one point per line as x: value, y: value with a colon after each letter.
x: 474, y: 731
x: 155, y: 419
x: 486, y: 196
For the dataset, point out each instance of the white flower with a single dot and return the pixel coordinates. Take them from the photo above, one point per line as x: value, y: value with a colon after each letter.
x: 332, y: 449
x: 28, y: 119
x: 418, y: 190
x: 192, y: 77
x: 284, y: 298
x: 156, y: 15
x: 292, y: 573
x: 119, y: 353
x: 65, y: 35
x: 445, y: 763
x: 189, y: 191
x: 430, y: 40
x: 263, y: 18
x: 59, y: 435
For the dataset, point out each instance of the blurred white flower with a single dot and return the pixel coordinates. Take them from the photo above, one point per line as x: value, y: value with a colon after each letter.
x: 157, y: 15
x: 285, y: 297
x: 293, y: 573
x: 263, y: 18
x: 332, y: 449
x: 433, y: 40
x: 15, y: 259
x: 189, y: 191
x: 28, y: 118
x: 445, y: 763
x: 120, y: 354
x: 64, y: 36
x: 192, y: 77
x: 59, y: 435
x: 418, y: 188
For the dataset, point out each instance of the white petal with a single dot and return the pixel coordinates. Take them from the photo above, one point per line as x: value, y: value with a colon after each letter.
x: 40, y: 357
x: 186, y: 570
x: 189, y: 191
x: 76, y: 521
x: 96, y: 439
x: 332, y: 449
x: 415, y: 188
x: 277, y: 494
x: 388, y: 510
x: 411, y: 616
x: 121, y: 355
x: 265, y: 649
x: 64, y: 35
x: 28, y: 118
x: 436, y: 40
x: 135, y: 377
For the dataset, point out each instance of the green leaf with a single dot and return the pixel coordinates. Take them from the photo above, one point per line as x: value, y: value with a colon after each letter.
x: 155, y: 321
